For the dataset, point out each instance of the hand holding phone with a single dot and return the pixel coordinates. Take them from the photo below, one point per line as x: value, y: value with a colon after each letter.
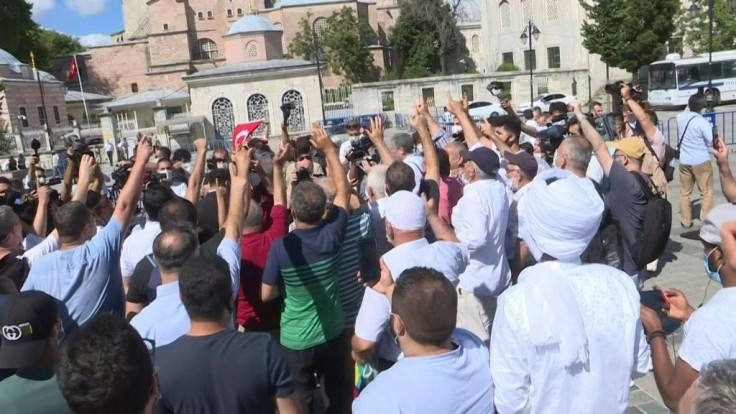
x: 370, y: 271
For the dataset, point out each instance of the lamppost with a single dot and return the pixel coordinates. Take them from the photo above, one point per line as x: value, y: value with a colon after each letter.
x: 694, y: 10
x: 317, y: 58
x: 531, y: 33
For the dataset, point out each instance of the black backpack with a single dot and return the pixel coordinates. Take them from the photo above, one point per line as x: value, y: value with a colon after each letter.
x: 655, y: 232
x: 606, y: 246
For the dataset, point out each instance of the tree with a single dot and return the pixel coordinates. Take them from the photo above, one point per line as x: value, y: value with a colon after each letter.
x: 628, y: 34
x: 52, y: 44
x: 344, y: 45
x: 695, y: 28
x: 426, y: 39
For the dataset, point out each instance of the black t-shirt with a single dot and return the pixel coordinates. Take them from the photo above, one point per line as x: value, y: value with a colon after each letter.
x: 227, y: 372
x: 207, y: 216
x: 15, y: 267
x: 145, y: 277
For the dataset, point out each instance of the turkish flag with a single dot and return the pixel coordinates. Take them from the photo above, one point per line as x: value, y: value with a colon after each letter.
x: 72, y: 71
x: 243, y: 132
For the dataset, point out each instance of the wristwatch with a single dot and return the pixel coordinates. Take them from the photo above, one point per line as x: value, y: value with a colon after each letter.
x: 656, y: 334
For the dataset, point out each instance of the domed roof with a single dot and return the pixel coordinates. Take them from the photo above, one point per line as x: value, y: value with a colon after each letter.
x: 251, y: 23
x: 10, y: 60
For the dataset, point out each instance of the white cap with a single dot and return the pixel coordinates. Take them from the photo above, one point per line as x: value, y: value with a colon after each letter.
x: 405, y: 211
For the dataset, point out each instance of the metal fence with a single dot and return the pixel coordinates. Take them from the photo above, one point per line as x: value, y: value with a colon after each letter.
x: 725, y: 123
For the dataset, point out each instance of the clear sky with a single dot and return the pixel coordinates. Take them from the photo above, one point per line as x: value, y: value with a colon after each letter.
x: 90, y: 20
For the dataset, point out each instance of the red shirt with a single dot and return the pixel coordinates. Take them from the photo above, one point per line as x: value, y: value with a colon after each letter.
x: 251, y: 312
x: 451, y: 191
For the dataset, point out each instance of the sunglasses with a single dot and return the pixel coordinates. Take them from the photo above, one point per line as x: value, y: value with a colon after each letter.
x: 304, y: 158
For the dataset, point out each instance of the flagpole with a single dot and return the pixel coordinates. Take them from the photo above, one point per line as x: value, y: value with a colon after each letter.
x: 81, y: 89
x: 40, y: 89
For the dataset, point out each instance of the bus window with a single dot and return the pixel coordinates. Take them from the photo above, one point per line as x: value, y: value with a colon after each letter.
x: 662, y: 76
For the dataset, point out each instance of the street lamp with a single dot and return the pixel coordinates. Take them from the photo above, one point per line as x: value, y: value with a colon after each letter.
x: 317, y: 58
x: 531, y: 33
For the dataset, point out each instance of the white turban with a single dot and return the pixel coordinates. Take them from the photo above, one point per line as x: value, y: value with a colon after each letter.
x: 559, y: 215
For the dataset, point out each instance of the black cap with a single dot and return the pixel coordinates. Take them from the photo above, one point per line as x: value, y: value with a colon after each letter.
x: 485, y: 158
x: 525, y: 161
x: 26, y: 323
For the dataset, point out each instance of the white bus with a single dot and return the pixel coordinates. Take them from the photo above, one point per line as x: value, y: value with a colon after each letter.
x: 672, y: 81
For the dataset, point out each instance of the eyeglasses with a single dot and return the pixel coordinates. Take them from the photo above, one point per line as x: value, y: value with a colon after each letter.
x: 304, y: 158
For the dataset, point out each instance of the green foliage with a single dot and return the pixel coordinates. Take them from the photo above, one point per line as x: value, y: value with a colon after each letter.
x: 20, y: 35
x: 345, y: 45
x: 628, y: 34
x: 695, y: 29
x: 507, y: 67
x: 427, y: 41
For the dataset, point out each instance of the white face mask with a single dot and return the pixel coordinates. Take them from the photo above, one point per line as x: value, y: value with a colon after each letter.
x: 187, y: 166
x: 222, y: 165
x: 456, y: 129
x: 554, y: 161
x: 164, y: 175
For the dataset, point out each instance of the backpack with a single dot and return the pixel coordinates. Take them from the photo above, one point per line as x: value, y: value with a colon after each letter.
x: 606, y: 246
x: 655, y: 232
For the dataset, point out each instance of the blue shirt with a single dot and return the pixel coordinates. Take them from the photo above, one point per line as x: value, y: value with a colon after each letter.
x: 165, y: 320
x: 698, y: 137
x: 458, y: 381
x: 84, y: 280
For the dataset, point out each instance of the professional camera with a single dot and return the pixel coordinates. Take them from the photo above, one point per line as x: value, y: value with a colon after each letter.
x: 360, y: 147
x: 303, y: 174
x: 286, y: 109
x: 614, y: 89
x: 120, y: 176
x: 552, y: 137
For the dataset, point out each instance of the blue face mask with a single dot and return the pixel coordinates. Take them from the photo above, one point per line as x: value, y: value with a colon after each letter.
x: 714, y: 276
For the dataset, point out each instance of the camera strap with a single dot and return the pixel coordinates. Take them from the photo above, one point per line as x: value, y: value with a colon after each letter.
x: 679, y: 142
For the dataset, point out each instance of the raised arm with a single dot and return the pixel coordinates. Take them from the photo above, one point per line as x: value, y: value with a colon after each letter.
x: 600, y: 150
x: 487, y: 130
x: 40, y: 221
x: 377, y: 138
x: 31, y: 173
x: 239, y: 175
x: 279, y: 188
x: 221, y: 206
x: 195, y: 180
x: 322, y: 142
x: 131, y: 192
x: 284, y: 134
x: 728, y: 183
x: 641, y: 116
x: 86, y: 172
x: 66, y: 187
x: 442, y: 231
x: 458, y: 108
x: 419, y: 123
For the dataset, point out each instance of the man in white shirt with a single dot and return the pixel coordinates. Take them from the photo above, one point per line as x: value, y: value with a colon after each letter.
x: 140, y: 241
x: 567, y: 338
x: 520, y: 171
x: 405, y: 222
x: 480, y: 219
x: 375, y: 189
x: 694, y: 137
x: 444, y: 370
x: 401, y: 146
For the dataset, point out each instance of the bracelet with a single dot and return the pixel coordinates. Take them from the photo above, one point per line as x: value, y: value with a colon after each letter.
x: 656, y: 334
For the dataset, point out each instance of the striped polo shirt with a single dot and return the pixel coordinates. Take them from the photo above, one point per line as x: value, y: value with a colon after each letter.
x: 359, y: 226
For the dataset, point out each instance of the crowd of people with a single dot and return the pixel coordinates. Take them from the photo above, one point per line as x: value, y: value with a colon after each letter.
x: 490, y: 267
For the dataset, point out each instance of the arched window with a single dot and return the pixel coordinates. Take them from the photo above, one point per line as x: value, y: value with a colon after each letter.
x: 296, y: 121
x: 553, y: 10
x: 209, y: 14
x: 206, y: 50
x: 320, y: 26
x: 257, y: 106
x: 475, y: 44
x: 527, y: 12
x: 200, y: 15
x: 252, y: 49
x: 223, y: 118
x: 505, y: 13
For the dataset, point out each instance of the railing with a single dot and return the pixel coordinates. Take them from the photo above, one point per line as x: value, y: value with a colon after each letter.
x: 725, y: 123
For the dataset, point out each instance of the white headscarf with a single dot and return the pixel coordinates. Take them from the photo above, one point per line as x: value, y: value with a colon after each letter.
x: 559, y: 218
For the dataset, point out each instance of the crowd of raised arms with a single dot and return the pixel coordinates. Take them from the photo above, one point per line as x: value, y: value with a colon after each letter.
x: 492, y: 266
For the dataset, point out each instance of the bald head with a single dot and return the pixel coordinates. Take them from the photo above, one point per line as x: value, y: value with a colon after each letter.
x: 172, y: 248
x: 574, y: 155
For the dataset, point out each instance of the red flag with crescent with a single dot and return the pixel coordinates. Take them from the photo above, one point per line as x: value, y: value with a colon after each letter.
x: 243, y: 133
x: 70, y: 77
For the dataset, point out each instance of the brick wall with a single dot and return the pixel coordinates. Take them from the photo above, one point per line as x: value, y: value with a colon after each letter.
x: 26, y: 94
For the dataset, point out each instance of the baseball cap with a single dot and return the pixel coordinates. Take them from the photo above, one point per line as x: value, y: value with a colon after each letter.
x: 26, y: 322
x: 633, y: 147
x: 710, y: 231
x: 405, y: 211
x: 485, y: 158
x: 525, y: 161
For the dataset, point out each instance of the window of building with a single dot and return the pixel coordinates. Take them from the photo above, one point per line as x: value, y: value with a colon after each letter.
x: 505, y: 13
x: 527, y: 11
x: 257, y: 106
x: 41, y: 116
x: 206, y: 50
x: 209, y: 15
x: 57, y: 116
x: 553, y: 57
x: 542, y: 86
x: 229, y: 12
x: 297, y: 120
x: 23, y: 116
x: 166, y: 27
x: 134, y: 87
x: 553, y: 10
x: 428, y: 96
x: 200, y: 15
x: 387, y: 101
x: 320, y: 26
x: 252, y: 50
x: 475, y: 44
x: 530, y: 59
x: 240, y: 12
x: 223, y: 118
x: 466, y: 91
x: 507, y: 57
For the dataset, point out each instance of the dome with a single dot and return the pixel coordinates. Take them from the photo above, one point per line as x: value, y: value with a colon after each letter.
x: 252, y: 23
x: 10, y: 60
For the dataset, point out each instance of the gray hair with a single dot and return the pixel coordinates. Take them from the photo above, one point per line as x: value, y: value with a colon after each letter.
x: 8, y: 219
x: 579, y: 153
x: 402, y: 141
x: 480, y: 174
x: 376, y: 181
x: 717, y: 386
x: 329, y: 188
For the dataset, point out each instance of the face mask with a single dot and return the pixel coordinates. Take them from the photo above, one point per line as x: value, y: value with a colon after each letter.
x: 714, y: 276
x: 554, y: 161
x: 222, y: 165
x: 41, y: 180
x: 187, y: 167
x: 456, y: 129
x: 164, y: 175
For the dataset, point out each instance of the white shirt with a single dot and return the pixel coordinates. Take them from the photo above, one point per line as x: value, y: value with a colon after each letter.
x: 109, y: 146
x: 137, y: 246
x: 165, y: 319
x: 344, y: 149
x: 372, y: 321
x: 512, y: 229
x: 595, y: 170
x: 45, y: 246
x: 480, y: 219
x: 179, y: 188
x: 458, y: 381
x: 417, y: 165
x: 528, y: 379
x: 710, y: 333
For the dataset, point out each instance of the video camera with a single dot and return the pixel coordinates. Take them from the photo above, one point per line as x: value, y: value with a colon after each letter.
x: 360, y: 146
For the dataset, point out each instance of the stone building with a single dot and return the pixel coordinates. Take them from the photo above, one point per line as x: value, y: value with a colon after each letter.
x: 23, y: 112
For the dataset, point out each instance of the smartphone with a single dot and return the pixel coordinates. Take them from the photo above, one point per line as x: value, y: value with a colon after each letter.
x: 656, y: 300
x: 368, y: 260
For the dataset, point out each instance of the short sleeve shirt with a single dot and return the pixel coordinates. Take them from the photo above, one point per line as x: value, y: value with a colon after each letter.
x: 36, y: 393
x: 305, y: 265
x: 710, y: 333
